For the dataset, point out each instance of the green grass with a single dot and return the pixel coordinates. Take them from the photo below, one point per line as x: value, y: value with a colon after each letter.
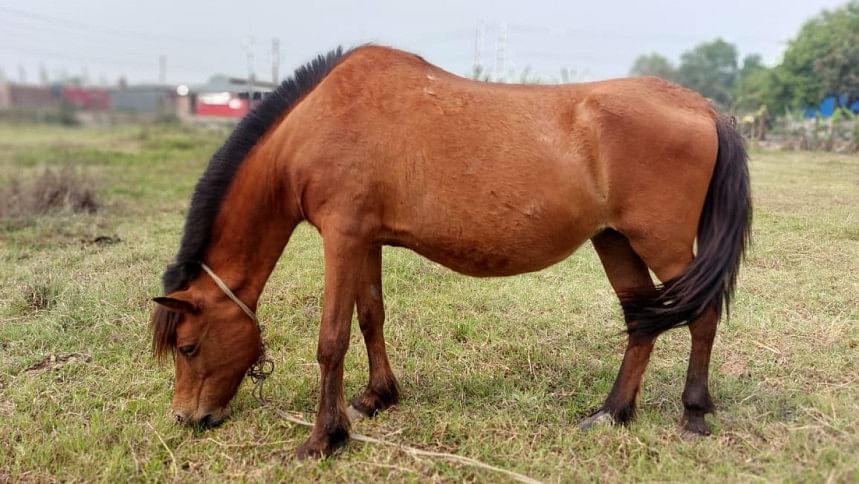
x: 500, y: 370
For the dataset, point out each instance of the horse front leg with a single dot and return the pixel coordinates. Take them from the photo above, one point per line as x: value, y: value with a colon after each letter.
x: 344, y: 260
x: 382, y: 390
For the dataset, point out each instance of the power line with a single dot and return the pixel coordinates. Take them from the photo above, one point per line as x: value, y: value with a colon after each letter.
x: 500, y: 49
x: 659, y: 36
x: 102, y: 60
x: 83, y: 27
x: 42, y: 28
x: 79, y: 47
x: 68, y: 41
x: 78, y: 40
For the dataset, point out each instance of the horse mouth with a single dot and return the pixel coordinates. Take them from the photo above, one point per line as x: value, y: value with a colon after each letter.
x: 208, y: 422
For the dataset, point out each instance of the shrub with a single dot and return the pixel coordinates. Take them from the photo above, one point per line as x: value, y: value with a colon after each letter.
x: 839, y: 132
x: 53, y: 191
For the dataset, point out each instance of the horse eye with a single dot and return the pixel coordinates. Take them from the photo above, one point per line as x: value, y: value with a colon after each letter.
x: 187, y: 350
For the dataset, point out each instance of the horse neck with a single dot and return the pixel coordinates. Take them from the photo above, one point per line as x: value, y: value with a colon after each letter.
x: 253, y: 225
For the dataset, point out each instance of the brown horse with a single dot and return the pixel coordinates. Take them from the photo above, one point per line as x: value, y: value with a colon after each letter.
x: 377, y: 147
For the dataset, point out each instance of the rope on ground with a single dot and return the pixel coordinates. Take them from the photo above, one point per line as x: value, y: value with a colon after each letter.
x: 420, y: 452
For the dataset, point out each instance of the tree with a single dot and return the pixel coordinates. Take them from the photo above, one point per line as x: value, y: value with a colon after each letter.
x: 822, y: 59
x: 839, y: 70
x: 654, y: 65
x: 751, y: 64
x: 756, y: 86
x: 755, y: 90
x: 711, y: 69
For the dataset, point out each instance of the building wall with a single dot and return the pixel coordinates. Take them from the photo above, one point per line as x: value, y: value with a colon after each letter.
x: 154, y: 100
x: 5, y: 96
x: 222, y: 105
x: 88, y: 98
x: 26, y: 97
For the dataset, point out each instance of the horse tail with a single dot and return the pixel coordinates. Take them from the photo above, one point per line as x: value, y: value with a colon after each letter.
x: 723, y: 236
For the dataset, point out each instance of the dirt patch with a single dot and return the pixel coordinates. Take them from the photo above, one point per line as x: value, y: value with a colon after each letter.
x: 6, y: 407
x: 53, y: 362
x: 735, y: 365
x: 104, y: 240
x: 309, y: 304
x: 53, y: 191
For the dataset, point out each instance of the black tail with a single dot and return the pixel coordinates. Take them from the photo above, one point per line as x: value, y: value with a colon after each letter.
x: 723, y: 235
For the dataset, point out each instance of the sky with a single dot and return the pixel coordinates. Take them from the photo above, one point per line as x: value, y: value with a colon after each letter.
x: 187, y: 41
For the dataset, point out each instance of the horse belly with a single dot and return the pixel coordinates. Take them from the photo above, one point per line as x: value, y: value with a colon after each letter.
x: 498, y: 244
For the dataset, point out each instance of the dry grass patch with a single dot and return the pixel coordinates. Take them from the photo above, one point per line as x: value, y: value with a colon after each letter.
x: 40, y: 295
x: 64, y: 190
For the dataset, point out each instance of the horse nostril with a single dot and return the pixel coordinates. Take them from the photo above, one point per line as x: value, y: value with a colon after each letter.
x: 179, y: 417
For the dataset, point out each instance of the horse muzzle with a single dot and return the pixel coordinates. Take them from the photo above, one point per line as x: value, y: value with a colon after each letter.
x: 202, y: 419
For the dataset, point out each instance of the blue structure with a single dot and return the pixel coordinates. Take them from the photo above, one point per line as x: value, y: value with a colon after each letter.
x: 829, y: 104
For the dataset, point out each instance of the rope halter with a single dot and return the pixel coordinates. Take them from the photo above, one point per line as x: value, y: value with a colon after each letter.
x: 263, y: 366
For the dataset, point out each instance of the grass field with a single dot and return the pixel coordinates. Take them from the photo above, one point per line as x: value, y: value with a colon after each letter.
x: 499, y: 370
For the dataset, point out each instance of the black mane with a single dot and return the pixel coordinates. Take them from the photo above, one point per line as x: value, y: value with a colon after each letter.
x: 213, y: 185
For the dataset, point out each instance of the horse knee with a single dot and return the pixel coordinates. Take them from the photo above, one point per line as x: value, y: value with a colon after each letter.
x: 331, y: 351
x: 370, y: 319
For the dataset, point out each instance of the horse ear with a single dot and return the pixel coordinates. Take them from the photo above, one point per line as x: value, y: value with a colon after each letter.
x: 178, y: 305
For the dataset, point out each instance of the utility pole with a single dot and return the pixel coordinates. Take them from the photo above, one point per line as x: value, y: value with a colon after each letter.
x: 479, y: 42
x: 162, y: 69
x: 500, y: 47
x: 275, y: 60
x: 248, y: 44
x: 43, y: 75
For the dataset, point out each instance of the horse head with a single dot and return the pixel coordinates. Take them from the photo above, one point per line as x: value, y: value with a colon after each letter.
x: 213, y: 343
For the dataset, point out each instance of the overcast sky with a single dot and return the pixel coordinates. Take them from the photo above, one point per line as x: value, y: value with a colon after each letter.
x: 592, y: 39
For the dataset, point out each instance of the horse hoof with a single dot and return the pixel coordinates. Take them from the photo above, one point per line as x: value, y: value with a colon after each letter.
x: 694, y: 426
x: 354, y: 414
x: 600, y: 418
x: 689, y: 436
x: 315, y: 451
x: 307, y: 452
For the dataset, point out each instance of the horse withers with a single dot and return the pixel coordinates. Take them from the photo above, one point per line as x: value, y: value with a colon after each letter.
x: 377, y: 147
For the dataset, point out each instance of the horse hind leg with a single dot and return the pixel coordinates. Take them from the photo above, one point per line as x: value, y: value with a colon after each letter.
x: 696, y: 394
x: 668, y: 260
x: 627, y: 273
x: 382, y: 389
